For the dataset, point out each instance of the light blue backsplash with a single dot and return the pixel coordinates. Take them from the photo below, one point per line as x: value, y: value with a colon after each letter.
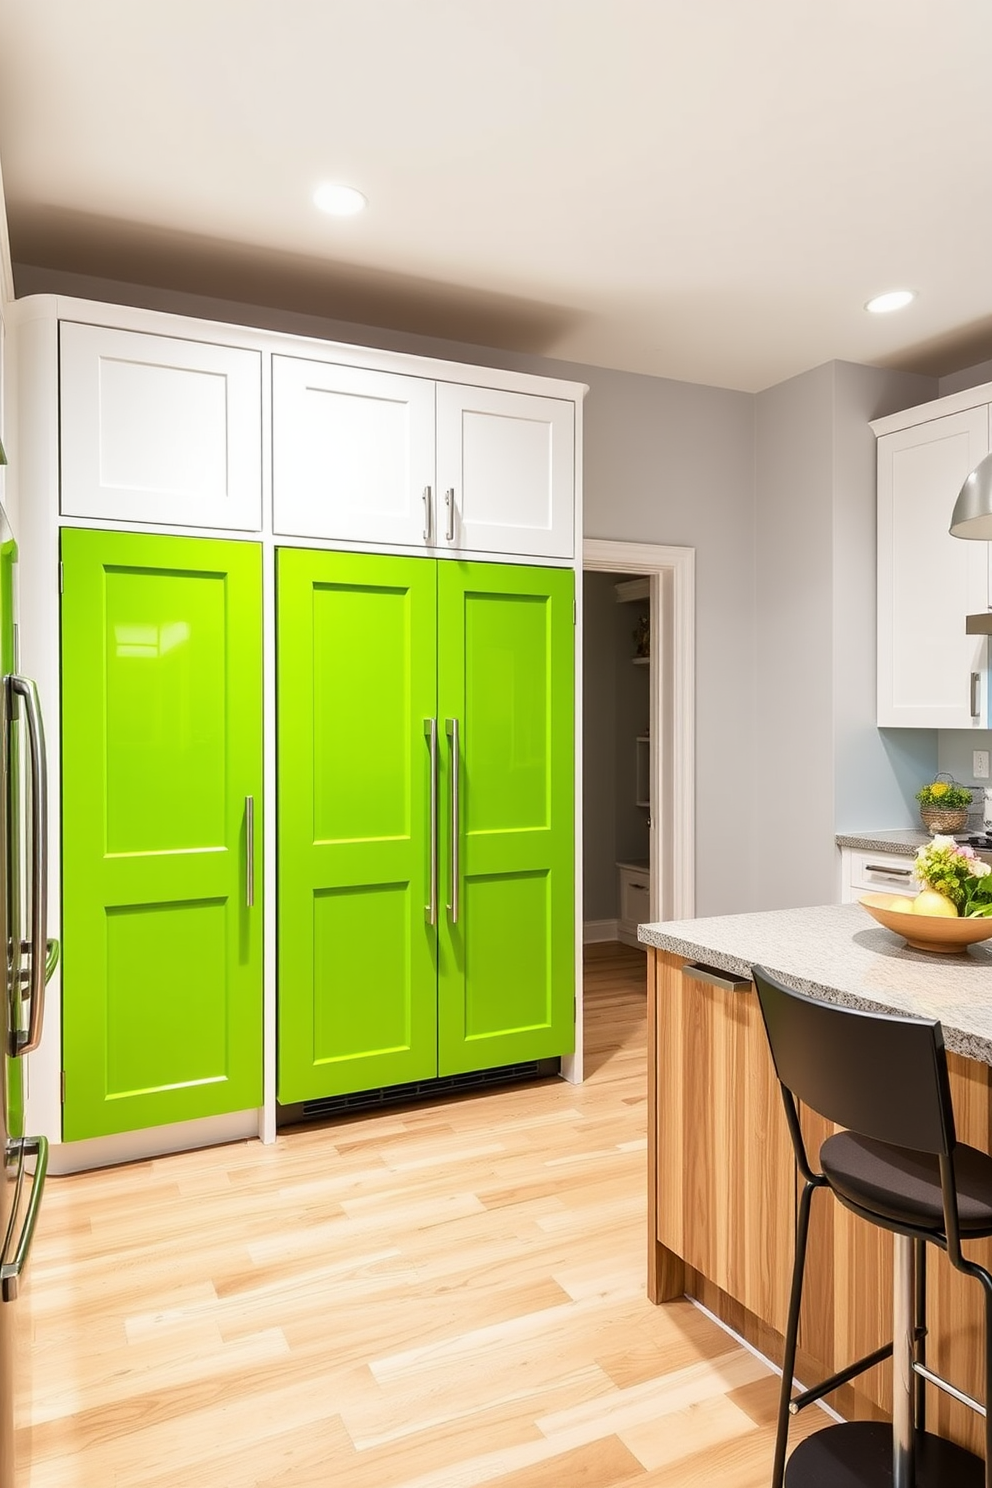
x: 955, y: 748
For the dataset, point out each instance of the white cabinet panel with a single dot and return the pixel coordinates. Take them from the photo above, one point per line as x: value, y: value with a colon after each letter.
x: 352, y: 453
x: 505, y: 471
x: 159, y: 430
x: 930, y: 673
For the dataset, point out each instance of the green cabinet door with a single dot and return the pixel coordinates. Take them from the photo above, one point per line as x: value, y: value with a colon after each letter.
x: 161, y: 751
x: 507, y: 947
x: 356, y: 686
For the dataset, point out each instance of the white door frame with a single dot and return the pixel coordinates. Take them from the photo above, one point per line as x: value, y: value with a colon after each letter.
x: 672, y: 572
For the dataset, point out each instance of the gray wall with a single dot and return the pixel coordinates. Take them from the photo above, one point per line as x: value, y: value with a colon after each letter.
x: 827, y: 766
x: 876, y: 770
x: 776, y: 495
x: 665, y: 462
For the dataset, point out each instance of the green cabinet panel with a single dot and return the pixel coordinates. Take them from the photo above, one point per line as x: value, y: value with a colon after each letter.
x: 506, y: 975
x: 161, y: 751
x: 356, y: 684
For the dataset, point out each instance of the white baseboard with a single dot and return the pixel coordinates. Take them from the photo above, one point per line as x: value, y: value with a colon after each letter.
x: 596, y: 930
x: 152, y: 1141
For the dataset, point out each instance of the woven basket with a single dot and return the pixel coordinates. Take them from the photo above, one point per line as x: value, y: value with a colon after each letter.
x: 944, y: 818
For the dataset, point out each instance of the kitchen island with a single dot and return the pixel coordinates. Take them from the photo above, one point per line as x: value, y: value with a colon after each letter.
x: 722, y: 1186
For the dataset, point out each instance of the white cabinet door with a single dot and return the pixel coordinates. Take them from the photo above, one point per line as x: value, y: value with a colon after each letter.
x: 352, y: 453
x: 930, y: 673
x: 505, y: 472
x: 160, y: 430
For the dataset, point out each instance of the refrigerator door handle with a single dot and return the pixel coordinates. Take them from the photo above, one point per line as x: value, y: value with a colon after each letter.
x: 451, y: 727
x: 41, y: 950
x: 250, y: 852
x: 430, y: 729
x: 12, y: 1270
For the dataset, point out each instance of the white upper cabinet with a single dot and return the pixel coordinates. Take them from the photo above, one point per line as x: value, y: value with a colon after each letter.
x: 505, y: 471
x: 376, y: 457
x: 930, y: 673
x: 159, y: 430
x: 352, y: 453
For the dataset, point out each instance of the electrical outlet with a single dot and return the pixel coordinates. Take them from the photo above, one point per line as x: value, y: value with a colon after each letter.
x: 980, y: 764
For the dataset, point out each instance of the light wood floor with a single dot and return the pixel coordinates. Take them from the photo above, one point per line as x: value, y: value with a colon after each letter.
x: 437, y: 1297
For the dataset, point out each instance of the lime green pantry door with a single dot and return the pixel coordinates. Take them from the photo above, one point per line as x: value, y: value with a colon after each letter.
x: 506, y: 981
x: 161, y: 796
x: 356, y: 683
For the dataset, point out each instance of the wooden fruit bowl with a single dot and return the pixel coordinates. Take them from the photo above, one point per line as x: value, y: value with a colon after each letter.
x: 927, y: 932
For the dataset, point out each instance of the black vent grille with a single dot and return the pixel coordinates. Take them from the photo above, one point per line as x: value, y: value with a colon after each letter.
x: 418, y: 1090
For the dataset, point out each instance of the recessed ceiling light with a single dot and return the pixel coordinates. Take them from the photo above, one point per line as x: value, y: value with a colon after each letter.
x: 338, y: 200
x: 896, y: 299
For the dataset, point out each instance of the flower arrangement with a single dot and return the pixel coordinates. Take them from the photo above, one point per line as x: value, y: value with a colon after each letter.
x: 944, y: 805
x: 944, y: 793
x: 956, y: 872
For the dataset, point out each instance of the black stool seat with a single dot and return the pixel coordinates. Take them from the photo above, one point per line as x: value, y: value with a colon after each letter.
x: 903, y: 1186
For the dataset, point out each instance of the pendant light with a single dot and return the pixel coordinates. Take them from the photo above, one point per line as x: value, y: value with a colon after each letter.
x: 972, y: 515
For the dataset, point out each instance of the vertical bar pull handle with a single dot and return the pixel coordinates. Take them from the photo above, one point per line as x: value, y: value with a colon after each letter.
x: 975, y: 687
x: 430, y: 729
x: 427, y: 514
x: 449, y: 502
x: 250, y: 851
x: 25, y: 689
x: 451, y: 728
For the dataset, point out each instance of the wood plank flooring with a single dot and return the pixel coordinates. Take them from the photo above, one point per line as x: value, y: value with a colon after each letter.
x: 442, y: 1296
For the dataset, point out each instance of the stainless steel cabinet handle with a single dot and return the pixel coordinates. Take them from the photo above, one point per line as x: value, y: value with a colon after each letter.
x: 12, y: 1270
x: 976, y: 678
x: 427, y: 514
x: 451, y: 729
x: 250, y: 851
x: 725, y: 980
x: 890, y: 872
x: 24, y: 688
x: 449, y: 502
x: 430, y: 729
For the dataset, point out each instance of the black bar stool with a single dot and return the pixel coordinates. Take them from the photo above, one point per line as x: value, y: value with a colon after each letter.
x: 899, y: 1166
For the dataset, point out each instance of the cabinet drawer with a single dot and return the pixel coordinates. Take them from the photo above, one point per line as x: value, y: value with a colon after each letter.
x: 159, y: 430
x: 635, y: 896
x: 888, y: 872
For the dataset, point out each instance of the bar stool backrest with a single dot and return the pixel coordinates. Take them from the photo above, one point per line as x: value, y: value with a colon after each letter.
x: 878, y: 1074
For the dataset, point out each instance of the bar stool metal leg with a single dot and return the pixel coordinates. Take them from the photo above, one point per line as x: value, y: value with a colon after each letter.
x: 920, y: 1349
x: 903, y: 1350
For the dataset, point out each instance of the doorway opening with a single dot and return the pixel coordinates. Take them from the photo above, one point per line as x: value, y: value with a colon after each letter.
x: 663, y: 755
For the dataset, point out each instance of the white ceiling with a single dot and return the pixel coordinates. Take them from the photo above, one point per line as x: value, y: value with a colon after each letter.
x: 700, y: 189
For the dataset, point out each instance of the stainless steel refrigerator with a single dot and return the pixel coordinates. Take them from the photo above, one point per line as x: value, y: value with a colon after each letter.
x: 31, y: 958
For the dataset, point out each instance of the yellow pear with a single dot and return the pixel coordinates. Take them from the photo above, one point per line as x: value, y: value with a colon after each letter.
x: 929, y: 902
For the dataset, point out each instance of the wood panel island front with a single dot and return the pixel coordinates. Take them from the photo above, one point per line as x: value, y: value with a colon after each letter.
x: 722, y: 1184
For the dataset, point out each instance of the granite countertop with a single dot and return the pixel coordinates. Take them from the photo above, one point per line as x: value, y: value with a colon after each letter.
x: 904, y: 840
x: 837, y: 952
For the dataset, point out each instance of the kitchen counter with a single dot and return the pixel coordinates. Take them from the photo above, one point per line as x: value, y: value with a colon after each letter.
x: 901, y: 840
x: 721, y: 1173
x: 837, y: 952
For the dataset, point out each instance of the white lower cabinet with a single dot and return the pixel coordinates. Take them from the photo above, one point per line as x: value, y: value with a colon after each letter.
x: 931, y: 674
x: 864, y: 872
x: 159, y: 430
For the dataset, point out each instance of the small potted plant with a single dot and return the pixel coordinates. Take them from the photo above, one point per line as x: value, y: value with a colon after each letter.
x: 944, y: 805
